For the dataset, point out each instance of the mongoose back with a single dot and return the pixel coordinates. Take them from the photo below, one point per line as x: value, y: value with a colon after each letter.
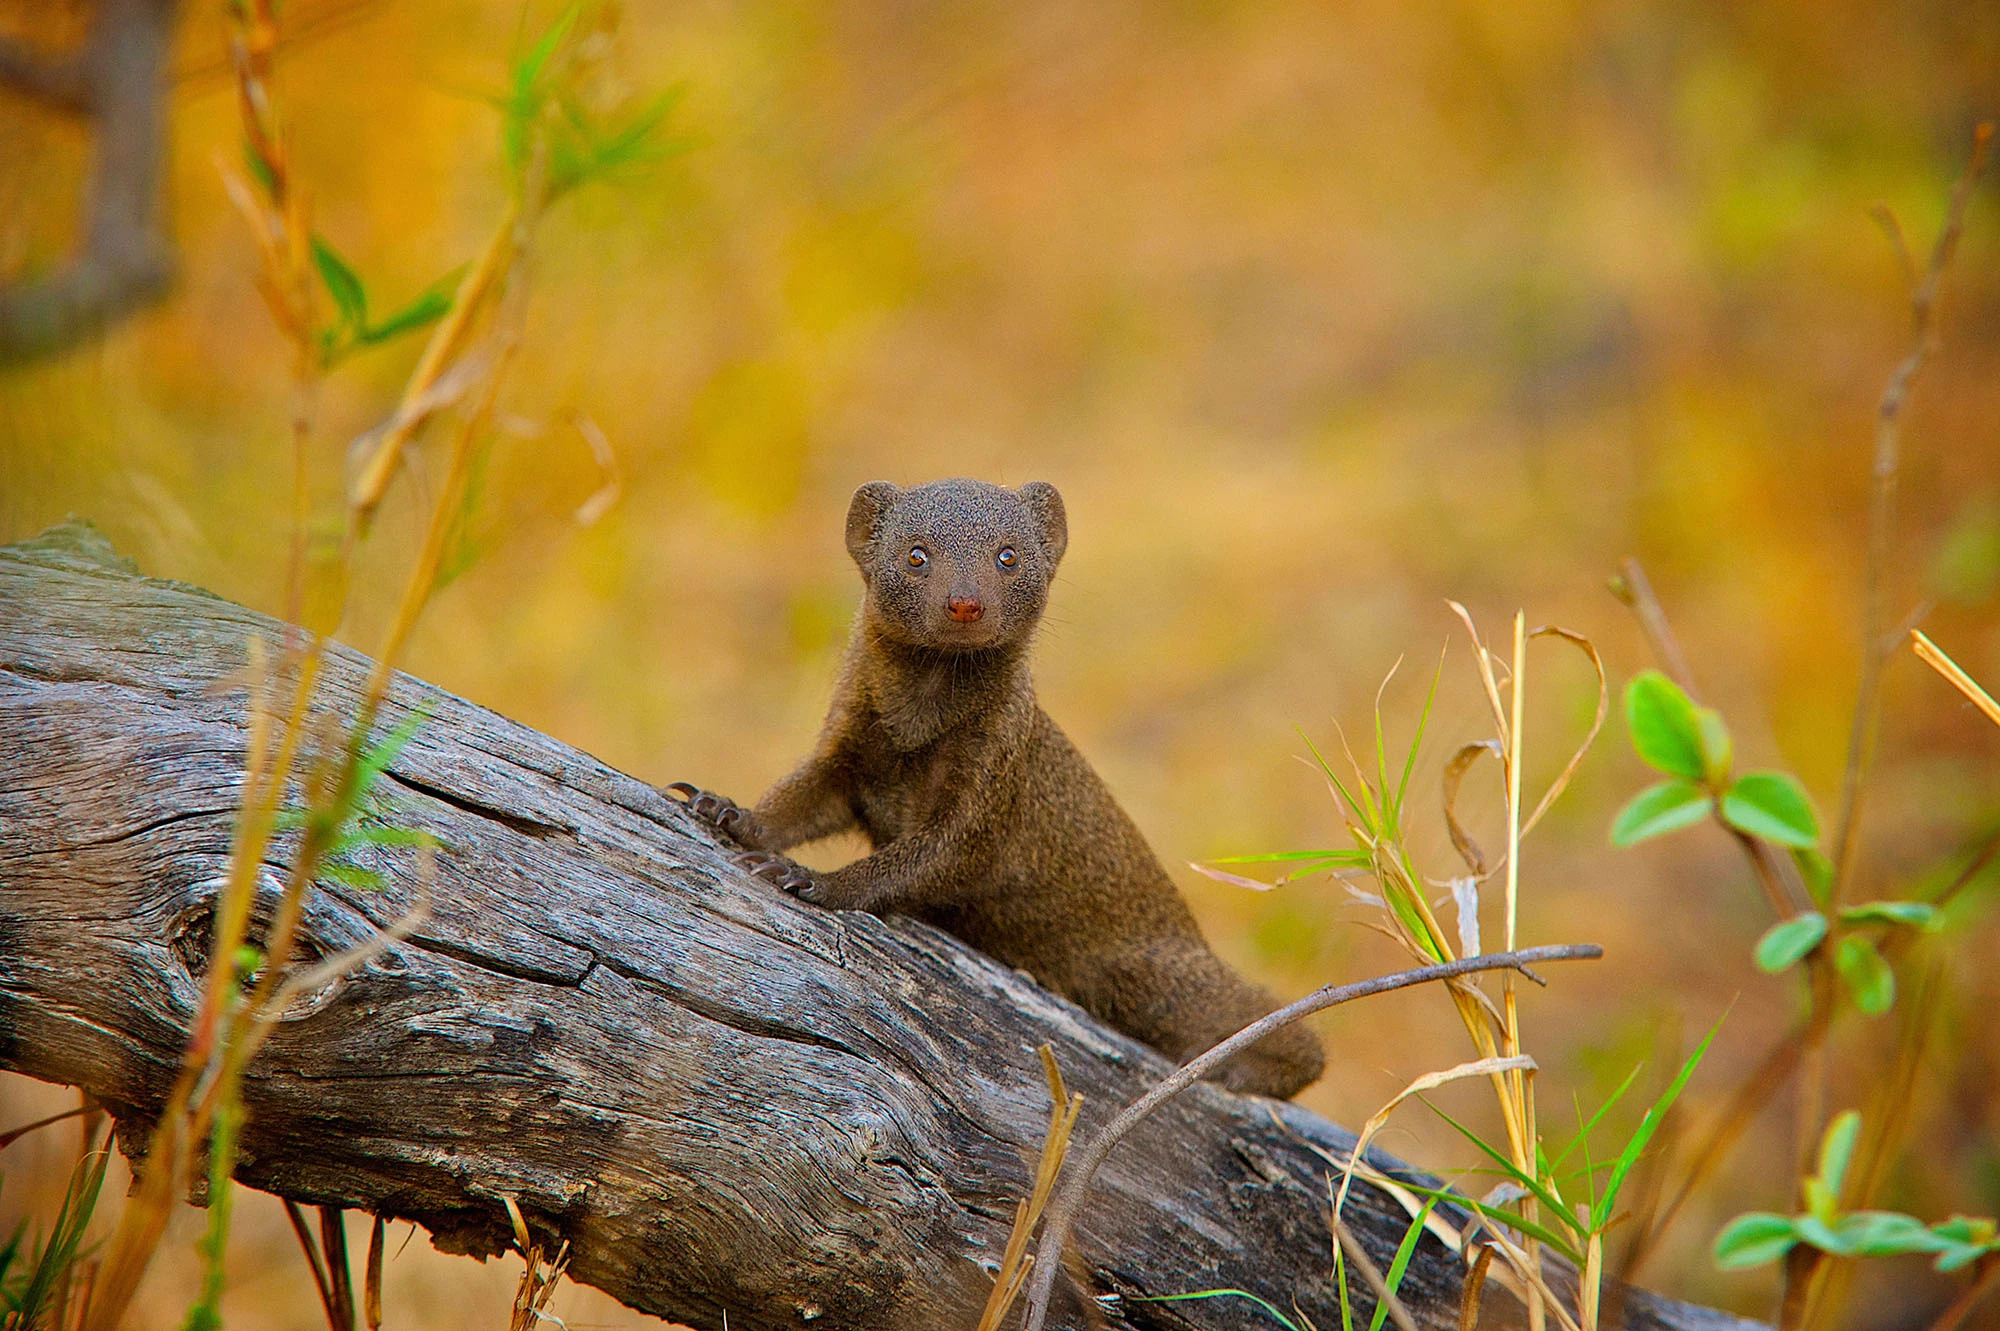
x: 984, y: 819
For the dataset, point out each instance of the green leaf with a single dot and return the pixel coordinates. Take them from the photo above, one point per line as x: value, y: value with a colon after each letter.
x: 1817, y: 870
x: 1717, y: 751
x: 1774, y: 806
x: 1786, y: 943
x: 427, y: 308
x: 1355, y: 858
x: 1836, y: 1148
x: 402, y: 837
x: 1822, y: 1235
x: 1868, y: 976
x: 1886, y: 1234
x: 1909, y: 914
x: 1404, y: 1251
x: 352, y: 875
x: 1643, y: 1137
x: 342, y: 283
x: 1667, y: 806
x: 1665, y: 730
x: 384, y: 751
x: 1963, y: 1240
x: 1958, y: 1256
x: 1754, y: 1240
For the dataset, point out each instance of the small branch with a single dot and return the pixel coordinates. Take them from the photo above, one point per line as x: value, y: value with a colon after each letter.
x: 59, y: 83
x: 1635, y: 591
x: 123, y: 263
x: 1063, y: 1211
x: 1882, y: 506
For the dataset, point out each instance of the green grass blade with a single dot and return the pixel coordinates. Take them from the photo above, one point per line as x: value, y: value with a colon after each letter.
x: 60, y: 1254
x: 1596, y: 1118
x: 1401, y: 1265
x: 1650, y: 1124
x: 1417, y: 740
x: 1513, y: 1171
x: 1327, y: 769
x: 1534, y: 1229
x: 1355, y: 856
x: 1283, y: 1320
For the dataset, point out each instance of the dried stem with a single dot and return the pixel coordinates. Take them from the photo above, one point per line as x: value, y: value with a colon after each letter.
x: 1882, y: 507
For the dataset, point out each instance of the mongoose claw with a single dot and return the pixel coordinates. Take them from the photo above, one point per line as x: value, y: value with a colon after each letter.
x: 718, y: 811
x: 781, y: 871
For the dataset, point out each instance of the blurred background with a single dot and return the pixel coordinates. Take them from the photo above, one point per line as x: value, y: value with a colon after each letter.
x: 1318, y: 315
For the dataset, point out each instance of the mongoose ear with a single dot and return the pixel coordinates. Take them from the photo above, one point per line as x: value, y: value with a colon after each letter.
x: 864, y: 515
x: 1047, y: 506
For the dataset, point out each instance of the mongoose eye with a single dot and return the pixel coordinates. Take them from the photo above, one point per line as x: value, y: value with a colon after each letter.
x: 1005, y: 559
x: 917, y: 557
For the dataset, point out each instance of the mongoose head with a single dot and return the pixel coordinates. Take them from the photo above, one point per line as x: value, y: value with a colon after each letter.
x: 957, y: 565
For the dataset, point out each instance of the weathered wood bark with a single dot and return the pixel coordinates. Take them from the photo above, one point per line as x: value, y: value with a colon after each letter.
x: 724, y: 1100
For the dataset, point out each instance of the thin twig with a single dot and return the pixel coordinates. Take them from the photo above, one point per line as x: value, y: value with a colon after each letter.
x: 1882, y: 507
x: 12, y: 1135
x: 1063, y: 1211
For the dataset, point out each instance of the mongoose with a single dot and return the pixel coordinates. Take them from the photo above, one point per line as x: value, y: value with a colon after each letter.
x: 984, y: 819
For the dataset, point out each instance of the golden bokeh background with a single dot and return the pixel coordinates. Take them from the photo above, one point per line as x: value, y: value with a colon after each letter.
x: 1318, y: 315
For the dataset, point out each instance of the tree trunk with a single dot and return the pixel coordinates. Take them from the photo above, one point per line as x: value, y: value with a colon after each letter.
x: 726, y: 1101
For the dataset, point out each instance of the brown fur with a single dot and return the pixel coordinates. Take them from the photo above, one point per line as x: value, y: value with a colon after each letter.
x: 984, y: 819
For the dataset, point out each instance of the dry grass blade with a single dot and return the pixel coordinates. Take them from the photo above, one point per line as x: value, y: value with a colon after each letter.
x: 538, y: 1279
x: 1934, y: 656
x: 333, y: 1241
x: 371, y: 1297
x: 1561, y: 783
x: 314, y: 1260
x: 1454, y: 776
x: 1430, y: 1081
x: 1016, y: 1262
x: 1475, y: 1285
x: 1371, y: 1275
x: 600, y: 500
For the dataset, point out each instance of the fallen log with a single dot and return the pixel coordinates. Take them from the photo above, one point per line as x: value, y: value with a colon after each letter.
x: 726, y: 1102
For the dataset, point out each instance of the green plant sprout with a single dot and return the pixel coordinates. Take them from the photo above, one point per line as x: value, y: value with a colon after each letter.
x: 1762, y: 1237
x: 1691, y: 745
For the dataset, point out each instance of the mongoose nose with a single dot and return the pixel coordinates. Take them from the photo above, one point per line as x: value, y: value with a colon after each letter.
x: 965, y: 609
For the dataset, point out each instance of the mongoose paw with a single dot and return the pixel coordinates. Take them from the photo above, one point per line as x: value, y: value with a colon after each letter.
x: 782, y: 872
x: 718, y: 811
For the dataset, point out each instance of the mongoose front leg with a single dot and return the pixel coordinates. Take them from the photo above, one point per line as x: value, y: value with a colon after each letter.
x: 741, y: 826
x: 805, y: 806
x: 811, y: 803
x: 906, y: 874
